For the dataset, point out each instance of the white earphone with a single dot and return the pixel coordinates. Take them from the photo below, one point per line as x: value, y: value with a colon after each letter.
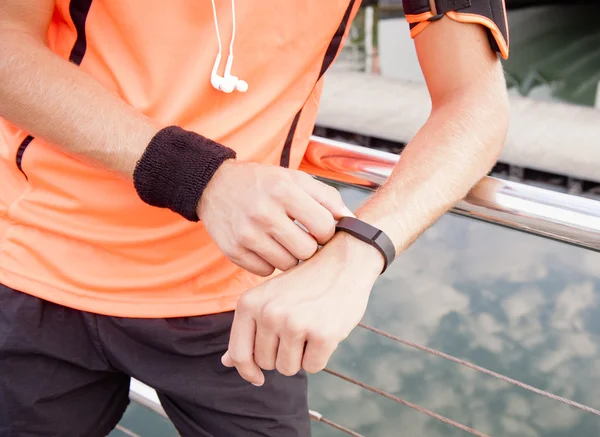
x: 226, y: 83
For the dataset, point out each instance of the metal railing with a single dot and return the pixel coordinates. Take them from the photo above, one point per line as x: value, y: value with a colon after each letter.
x: 562, y: 217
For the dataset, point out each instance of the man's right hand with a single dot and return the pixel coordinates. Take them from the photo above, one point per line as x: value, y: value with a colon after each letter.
x: 249, y: 210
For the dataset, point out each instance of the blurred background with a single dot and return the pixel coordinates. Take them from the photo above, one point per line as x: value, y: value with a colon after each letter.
x: 555, y: 47
x: 552, y: 74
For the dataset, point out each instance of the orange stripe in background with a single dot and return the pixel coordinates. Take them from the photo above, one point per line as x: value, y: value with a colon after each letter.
x: 462, y: 17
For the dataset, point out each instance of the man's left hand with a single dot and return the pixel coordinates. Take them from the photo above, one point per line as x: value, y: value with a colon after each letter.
x: 297, y: 319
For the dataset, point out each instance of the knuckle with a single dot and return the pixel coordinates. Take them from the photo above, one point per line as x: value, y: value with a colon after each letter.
x: 287, y: 369
x: 265, y: 363
x: 307, y: 250
x: 313, y: 366
x: 246, y: 236
x: 246, y: 303
x: 237, y: 359
x: 321, y: 338
x: 265, y: 271
x: 295, y: 327
x: 301, y: 176
x: 261, y: 213
x: 271, y: 225
x: 272, y: 316
x: 234, y: 253
x: 280, y: 189
x: 288, y: 264
x: 325, y: 228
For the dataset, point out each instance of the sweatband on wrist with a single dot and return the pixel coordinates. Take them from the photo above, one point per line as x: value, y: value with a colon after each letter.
x: 175, y: 169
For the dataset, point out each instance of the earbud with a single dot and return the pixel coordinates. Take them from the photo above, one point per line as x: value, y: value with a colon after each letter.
x: 226, y: 83
x: 241, y: 86
x: 231, y: 82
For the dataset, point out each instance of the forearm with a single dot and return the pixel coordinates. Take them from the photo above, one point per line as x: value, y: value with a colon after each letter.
x: 53, y: 99
x: 454, y: 149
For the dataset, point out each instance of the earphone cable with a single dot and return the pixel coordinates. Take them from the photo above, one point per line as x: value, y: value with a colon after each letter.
x: 233, y: 27
x: 217, y: 25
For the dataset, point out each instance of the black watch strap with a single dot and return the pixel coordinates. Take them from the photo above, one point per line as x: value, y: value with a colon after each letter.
x: 370, y: 235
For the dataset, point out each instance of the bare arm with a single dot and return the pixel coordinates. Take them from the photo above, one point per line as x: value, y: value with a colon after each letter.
x: 297, y: 320
x: 53, y: 99
x: 460, y: 141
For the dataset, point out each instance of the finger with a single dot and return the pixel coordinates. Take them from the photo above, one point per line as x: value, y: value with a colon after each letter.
x: 311, y: 214
x: 326, y: 195
x: 227, y: 361
x: 241, y: 347
x: 265, y: 348
x: 296, y: 240
x: 289, y: 354
x: 272, y: 252
x: 317, y: 354
x: 251, y: 262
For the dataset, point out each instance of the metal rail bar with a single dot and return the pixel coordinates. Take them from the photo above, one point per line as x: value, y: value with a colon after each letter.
x: 558, y: 216
x: 146, y: 396
x: 127, y: 431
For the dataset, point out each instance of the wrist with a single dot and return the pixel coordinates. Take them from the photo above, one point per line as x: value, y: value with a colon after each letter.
x: 354, y: 255
x: 209, y: 198
x: 370, y: 235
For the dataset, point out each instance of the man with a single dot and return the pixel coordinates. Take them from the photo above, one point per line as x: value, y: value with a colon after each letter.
x: 147, y: 192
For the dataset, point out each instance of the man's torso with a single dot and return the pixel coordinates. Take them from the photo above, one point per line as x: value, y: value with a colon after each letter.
x: 78, y: 235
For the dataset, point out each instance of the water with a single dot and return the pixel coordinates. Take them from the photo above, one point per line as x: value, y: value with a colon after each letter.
x: 521, y: 305
x: 517, y: 304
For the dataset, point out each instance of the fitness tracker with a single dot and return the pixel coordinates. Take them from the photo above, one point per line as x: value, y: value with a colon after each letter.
x: 370, y: 235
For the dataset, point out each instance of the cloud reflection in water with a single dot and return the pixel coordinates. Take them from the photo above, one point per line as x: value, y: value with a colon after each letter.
x: 521, y: 305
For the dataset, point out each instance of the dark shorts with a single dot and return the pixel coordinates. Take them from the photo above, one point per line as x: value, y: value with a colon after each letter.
x: 65, y: 372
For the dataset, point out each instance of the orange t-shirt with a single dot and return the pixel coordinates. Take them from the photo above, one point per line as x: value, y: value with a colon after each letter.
x: 78, y: 235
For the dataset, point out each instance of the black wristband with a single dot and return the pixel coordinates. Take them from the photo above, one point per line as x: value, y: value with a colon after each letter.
x: 370, y: 235
x: 176, y: 168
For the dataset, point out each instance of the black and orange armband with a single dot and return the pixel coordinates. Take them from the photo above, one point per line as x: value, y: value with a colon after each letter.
x: 489, y: 13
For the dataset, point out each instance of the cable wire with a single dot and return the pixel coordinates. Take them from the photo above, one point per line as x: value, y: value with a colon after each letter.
x: 407, y: 403
x: 483, y: 370
x: 318, y: 417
